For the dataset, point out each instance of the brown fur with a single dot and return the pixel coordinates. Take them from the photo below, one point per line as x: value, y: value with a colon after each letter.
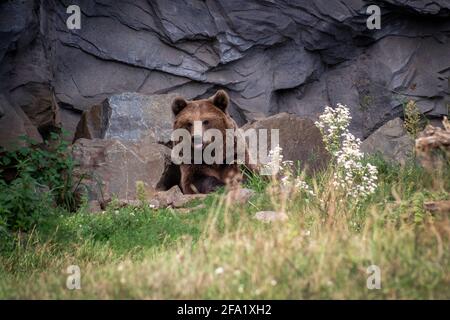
x: 203, y: 178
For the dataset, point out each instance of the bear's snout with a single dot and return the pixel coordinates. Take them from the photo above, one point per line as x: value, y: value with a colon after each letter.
x: 197, y: 141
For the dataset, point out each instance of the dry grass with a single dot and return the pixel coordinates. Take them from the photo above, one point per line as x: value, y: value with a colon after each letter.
x: 321, y: 251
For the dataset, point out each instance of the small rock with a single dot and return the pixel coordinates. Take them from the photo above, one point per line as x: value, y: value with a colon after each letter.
x: 173, y: 198
x: 94, y: 206
x: 270, y: 216
x: 241, y: 195
x: 186, y: 198
x: 154, y: 203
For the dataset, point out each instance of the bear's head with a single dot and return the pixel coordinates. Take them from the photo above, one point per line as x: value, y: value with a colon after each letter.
x: 210, y: 113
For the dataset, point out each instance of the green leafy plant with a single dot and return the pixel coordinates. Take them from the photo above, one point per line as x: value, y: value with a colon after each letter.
x: 141, y: 192
x: 33, y: 179
x: 413, y: 118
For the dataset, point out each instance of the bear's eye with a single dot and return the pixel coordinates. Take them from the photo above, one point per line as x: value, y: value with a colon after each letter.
x: 205, y: 122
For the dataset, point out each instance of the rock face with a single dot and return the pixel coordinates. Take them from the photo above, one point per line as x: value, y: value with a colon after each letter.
x: 112, y: 167
x: 13, y: 124
x: 129, y: 117
x: 272, y: 56
x: 299, y: 138
x: 391, y: 141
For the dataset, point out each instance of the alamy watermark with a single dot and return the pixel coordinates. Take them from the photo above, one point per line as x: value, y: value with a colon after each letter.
x: 73, y: 281
x: 374, y: 21
x: 374, y: 279
x: 73, y: 22
x: 211, y: 146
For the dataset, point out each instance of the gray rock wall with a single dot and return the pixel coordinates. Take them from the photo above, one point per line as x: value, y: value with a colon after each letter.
x: 271, y: 56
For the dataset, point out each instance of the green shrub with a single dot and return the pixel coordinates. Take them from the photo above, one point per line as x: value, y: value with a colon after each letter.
x: 33, y: 179
x: 414, y: 119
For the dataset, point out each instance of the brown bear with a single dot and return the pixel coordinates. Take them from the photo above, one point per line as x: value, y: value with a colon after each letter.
x: 213, y: 114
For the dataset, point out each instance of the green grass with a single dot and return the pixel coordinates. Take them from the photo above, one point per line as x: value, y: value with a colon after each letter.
x: 321, y: 251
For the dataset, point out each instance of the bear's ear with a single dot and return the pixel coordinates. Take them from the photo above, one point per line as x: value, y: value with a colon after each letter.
x: 220, y: 100
x: 178, y: 104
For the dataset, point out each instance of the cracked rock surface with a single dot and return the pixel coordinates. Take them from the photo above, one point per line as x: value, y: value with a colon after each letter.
x: 112, y: 168
x: 271, y: 56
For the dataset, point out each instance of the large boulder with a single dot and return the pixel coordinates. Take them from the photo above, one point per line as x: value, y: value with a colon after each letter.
x: 110, y: 168
x: 129, y: 117
x: 391, y: 141
x: 299, y: 138
x: 13, y: 124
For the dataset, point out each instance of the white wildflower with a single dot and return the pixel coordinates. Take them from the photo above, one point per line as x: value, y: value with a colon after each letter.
x: 219, y: 271
x: 277, y: 167
x: 332, y: 124
x: 275, y: 159
x: 354, y: 178
x: 303, y: 186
